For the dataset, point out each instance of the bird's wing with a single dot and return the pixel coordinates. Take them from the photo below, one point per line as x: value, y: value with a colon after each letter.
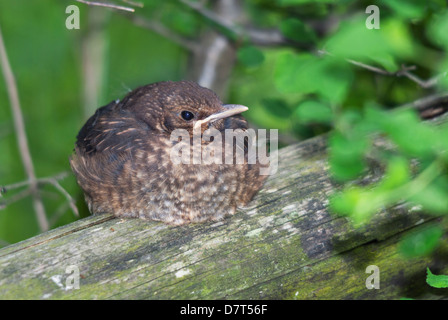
x: 111, y: 129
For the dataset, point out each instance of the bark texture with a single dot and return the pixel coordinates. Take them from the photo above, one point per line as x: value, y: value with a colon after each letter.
x: 286, y: 245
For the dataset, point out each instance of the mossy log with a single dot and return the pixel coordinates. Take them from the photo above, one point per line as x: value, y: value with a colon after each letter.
x: 286, y: 245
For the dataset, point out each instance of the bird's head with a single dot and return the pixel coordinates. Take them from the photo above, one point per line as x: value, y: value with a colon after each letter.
x: 166, y: 106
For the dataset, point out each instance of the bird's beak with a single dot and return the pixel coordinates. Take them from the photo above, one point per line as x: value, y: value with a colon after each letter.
x: 227, y: 111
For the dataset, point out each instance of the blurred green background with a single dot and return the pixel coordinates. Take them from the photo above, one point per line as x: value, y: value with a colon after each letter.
x: 299, y: 81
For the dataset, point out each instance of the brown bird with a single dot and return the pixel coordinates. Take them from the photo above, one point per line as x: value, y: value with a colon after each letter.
x: 123, y: 157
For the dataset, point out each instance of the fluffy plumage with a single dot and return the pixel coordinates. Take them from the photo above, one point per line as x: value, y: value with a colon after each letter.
x: 122, y: 158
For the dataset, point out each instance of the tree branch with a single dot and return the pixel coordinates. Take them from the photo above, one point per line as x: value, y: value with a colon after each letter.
x: 403, y: 72
x: 107, y: 5
x: 54, y: 182
x: 430, y: 106
x: 160, y: 29
x: 261, y: 37
x: 18, y: 196
x: 39, y: 182
x: 93, y: 48
x: 285, y: 245
x: 21, y: 136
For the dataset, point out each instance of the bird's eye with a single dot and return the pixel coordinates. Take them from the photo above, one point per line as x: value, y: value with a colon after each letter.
x: 187, y: 115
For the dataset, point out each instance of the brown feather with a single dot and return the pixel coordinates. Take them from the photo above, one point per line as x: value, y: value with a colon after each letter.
x: 122, y: 159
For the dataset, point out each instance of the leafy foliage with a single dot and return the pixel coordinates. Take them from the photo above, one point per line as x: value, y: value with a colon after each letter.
x: 296, y: 30
x: 337, y: 88
x: 421, y: 243
x: 416, y: 169
x: 250, y: 56
x: 436, y: 281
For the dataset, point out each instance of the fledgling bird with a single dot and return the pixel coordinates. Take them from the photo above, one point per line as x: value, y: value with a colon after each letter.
x: 122, y: 157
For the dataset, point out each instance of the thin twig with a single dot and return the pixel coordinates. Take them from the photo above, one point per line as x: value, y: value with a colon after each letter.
x: 368, y: 67
x: 18, y: 196
x: 22, y: 141
x: 424, y: 83
x: 67, y: 196
x: 403, y: 72
x: 196, y: 6
x: 58, y: 213
x: 164, y: 32
x: 428, y: 107
x: 212, y: 64
x: 53, y: 180
x: 107, y: 5
x: 24, y: 183
x: 213, y: 56
x: 261, y: 37
x: 93, y: 48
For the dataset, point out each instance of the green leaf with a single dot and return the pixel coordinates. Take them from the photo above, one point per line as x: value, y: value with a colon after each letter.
x: 397, y: 174
x: 374, y: 114
x: 250, y: 56
x: 436, y: 281
x: 421, y: 243
x: 437, y: 29
x: 357, y: 203
x: 411, y: 135
x: 346, y: 156
x: 399, y: 39
x: 277, y: 107
x: 372, y: 120
x: 408, y: 9
x: 313, y: 111
x: 354, y: 41
x: 443, y: 74
x: 296, y: 30
x: 348, y: 120
x: 344, y: 202
x: 346, y: 170
x: 366, y: 207
x: 290, y: 71
x: 333, y: 79
x: 442, y: 144
x: 305, y: 73
x: 433, y: 197
x: 181, y: 21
